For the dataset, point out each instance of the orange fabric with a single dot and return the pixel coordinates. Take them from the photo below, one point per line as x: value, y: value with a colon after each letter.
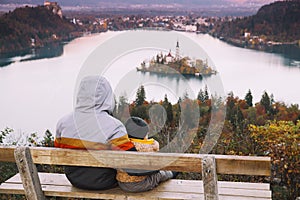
x: 126, y: 146
x: 71, y: 143
x: 56, y: 144
x: 122, y: 143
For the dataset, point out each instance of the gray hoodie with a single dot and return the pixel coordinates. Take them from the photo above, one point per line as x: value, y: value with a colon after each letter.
x: 91, y: 121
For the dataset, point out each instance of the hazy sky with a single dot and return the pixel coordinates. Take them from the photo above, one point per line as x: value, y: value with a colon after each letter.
x: 83, y: 2
x: 248, y: 6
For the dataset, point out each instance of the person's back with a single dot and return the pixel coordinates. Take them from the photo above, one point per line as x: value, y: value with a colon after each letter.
x: 91, y: 126
x: 137, y: 130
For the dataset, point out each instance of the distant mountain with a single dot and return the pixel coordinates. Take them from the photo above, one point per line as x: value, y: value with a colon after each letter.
x: 279, y: 21
x: 32, y: 26
x: 97, y: 2
x: 186, y: 4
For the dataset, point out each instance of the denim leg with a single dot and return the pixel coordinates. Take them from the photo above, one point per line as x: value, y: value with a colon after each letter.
x: 148, y: 183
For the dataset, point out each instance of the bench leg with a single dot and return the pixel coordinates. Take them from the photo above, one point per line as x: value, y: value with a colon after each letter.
x: 28, y: 173
x: 210, y: 178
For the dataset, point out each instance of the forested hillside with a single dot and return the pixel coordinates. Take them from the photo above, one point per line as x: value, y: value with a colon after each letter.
x: 279, y: 21
x: 32, y: 26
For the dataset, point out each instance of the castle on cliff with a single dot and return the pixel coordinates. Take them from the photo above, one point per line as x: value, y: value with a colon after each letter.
x: 56, y: 9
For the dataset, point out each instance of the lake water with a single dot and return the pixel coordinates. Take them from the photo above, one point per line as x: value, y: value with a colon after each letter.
x: 36, y: 93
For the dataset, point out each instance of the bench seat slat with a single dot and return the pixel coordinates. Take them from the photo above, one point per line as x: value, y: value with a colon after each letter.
x: 116, y: 193
x: 67, y: 191
x: 58, y: 185
x: 61, y: 179
x: 227, y: 184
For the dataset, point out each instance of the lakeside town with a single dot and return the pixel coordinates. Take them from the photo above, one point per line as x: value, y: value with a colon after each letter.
x: 188, y: 23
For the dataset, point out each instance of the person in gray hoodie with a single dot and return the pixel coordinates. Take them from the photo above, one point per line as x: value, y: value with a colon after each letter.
x: 92, y: 126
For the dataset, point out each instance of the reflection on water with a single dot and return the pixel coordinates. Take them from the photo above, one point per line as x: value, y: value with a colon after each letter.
x: 49, y: 51
x: 174, y: 76
x: 294, y: 63
x: 291, y: 53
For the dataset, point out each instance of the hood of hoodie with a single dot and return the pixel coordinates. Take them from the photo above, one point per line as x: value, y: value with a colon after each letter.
x: 95, y: 95
x: 91, y: 124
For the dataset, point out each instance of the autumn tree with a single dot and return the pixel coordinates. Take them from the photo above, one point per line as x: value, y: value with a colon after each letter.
x: 280, y: 140
x: 140, y: 111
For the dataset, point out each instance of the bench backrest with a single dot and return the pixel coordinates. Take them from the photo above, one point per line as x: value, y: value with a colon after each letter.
x: 225, y: 164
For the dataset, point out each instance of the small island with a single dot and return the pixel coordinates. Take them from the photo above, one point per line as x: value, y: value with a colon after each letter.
x: 172, y: 65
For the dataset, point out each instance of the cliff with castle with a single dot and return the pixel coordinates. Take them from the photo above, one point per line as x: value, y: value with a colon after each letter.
x: 54, y: 7
x: 33, y: 27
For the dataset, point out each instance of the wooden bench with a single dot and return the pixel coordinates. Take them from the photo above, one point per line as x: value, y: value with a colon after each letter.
x: 39, y: 185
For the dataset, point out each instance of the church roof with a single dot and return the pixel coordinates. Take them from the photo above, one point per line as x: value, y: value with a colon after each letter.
x: 169, y: 54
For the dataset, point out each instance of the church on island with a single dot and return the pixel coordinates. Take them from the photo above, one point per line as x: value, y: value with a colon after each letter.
x: 176, y: 64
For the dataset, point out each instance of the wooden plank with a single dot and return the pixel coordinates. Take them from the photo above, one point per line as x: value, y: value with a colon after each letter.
x: 116, y: 193
x: 222, y: 184
x: 7, y: 154
x: 61, y: 179
x: 167, y: 161
x: 172, y: 186
x: 45, y: 179
x: 247, y: 165
x: 242, y: 198
x: 245, y: 192
x: 244, y: 185
x: 210, y: 178
x: 68, y: 191
x: 28, y: 173
x: 198, y: 189
x: 117, y: 159
x: 11, y: 188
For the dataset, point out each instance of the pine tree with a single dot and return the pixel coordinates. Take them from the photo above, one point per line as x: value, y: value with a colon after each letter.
x: 140, y: 96
x: 230, y: 103
x: 168, y: 107
x: 201, y: 96
x: 239, y: 116
x: 122, y: 111
x: 249, y: 98
x: 206, y: 95
x: 266, y: 102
